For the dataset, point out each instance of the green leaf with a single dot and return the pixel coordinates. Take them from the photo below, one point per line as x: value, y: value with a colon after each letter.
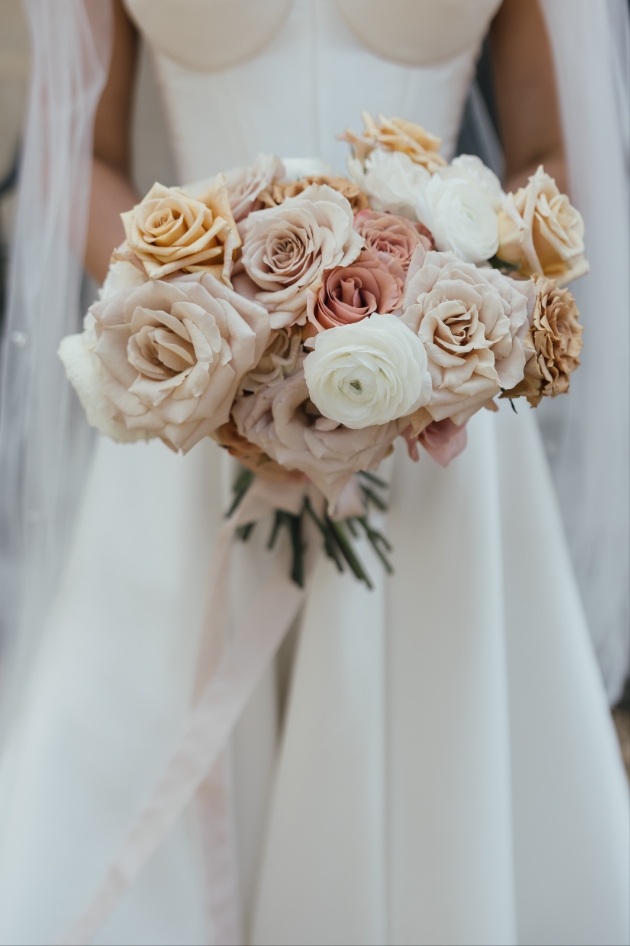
x: 502, y: 265
x: 349, y: 554
x: 241, y: 484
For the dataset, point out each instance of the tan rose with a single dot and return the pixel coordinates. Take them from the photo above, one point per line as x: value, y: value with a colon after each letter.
x: 251, y: 456
x: 553, y: 343
x: 166, y: 359
x: 286, y: 425
x: 170, y: 231
x: 541, y: 232
x: 287, y: 248
x: 351, y: 293
x: 472, y: 323
x: 397, y: 134
x: 391, y: 236
x: 279, y: 360
x: 279, y: 191
x: 244, y: 185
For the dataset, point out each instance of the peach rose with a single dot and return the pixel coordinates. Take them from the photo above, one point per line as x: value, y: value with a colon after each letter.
x: 396, y: 134
x: 553, y: 344
x: 391, y: 236
x: 541, y: 232
x: 472, y: 323
x: 286, y: 425
x: 170, y: 231
x: 287, y: 248
x: 278, y: 192
x: 165, y: 359
x: 354, y: 292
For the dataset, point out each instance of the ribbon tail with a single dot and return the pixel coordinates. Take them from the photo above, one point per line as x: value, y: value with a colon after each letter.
x: 220, y: 703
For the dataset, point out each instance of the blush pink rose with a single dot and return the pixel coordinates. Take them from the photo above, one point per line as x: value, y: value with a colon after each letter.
x: 391, y: 236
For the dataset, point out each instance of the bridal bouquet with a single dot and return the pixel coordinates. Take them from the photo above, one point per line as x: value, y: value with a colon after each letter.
x: 304, y: 320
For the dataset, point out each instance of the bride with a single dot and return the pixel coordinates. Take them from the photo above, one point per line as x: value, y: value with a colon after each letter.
x: 428, y: 762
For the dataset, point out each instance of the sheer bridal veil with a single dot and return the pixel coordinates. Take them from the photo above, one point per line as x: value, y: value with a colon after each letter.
x: 44, y: 438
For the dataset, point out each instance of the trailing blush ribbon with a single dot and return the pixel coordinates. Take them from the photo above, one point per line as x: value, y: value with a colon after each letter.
x: 231, y: 665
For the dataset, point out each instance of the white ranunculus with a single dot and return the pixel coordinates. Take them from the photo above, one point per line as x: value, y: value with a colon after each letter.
x: 369, y: 372
x: 391, y: 179
x: 460, y: 216
x: 472, y: 168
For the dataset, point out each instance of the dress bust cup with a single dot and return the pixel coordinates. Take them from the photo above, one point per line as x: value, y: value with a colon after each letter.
x: 213, y: 35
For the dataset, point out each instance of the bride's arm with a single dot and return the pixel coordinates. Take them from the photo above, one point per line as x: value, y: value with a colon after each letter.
x: 526, y: 97
x: 112, y: 191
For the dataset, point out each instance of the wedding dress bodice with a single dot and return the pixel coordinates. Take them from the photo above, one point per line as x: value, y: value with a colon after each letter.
x: 286, y: 76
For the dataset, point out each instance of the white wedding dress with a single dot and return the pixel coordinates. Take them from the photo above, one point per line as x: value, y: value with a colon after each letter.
x: 444, y: 769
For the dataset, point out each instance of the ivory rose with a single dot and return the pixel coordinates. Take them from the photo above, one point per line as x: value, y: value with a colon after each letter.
x: 553, y: 344
x: 541, y: 232
x: 283, y: 421
x: 165, y: 359
x: 287, y: 248
x: 170, y: 231
x: 473, y: 323
x: 391, y: 179
x: 397, y: 134
x: 280, y: 191
x: 460, y: 215
x: 368, y: 372
x: 391, y: 236
x: 471, y: 168
x: 351, y: 293
x: 244, y: 185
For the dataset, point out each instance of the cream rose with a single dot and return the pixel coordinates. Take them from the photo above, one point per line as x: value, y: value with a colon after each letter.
x: 170, y: 231
x: 287, y: 248
x: 473, y: 323
x: 541, y: 232
x: 461, y: 217
x: 165, y: 359
x: 368, y: 372
x: 286, y: 425
x: 244, y: 185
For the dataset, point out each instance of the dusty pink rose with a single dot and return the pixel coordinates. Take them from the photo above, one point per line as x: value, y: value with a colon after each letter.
x: 391, y: 236
x: 351, y: 293
x: 286, y: 425
x: 442, y: 439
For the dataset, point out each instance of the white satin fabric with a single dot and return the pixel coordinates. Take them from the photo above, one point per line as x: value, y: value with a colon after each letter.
x: 446, y: 770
